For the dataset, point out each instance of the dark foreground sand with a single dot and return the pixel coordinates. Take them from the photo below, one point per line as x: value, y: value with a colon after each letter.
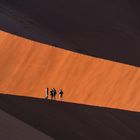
x: 67, y: 121
x: 14, y: 129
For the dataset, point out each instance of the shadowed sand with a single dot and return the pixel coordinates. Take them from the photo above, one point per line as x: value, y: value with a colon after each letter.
x: 14, y: 129
x: 105, y: 29
x: 73, y: 121
x: 28, y: 67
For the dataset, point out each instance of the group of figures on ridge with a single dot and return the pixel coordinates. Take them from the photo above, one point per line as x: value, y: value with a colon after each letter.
x: 52, y: 93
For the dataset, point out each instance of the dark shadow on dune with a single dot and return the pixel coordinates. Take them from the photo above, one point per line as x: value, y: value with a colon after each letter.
x: 68, y: 121
x: 105, y: 29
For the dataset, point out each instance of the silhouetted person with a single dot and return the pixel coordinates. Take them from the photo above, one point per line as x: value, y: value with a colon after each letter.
x: 51, y: 94
x: 54, y: 93
x: 46, y: 93
x: 61, y: 94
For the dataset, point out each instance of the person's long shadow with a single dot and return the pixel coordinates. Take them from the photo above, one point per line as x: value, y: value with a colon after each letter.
x: 69, y: 121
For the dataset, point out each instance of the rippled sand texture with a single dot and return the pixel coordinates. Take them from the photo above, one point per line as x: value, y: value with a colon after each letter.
x: 27, y: 67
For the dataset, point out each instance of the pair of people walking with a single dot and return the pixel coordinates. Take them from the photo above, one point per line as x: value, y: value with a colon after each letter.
x: 53, y: 94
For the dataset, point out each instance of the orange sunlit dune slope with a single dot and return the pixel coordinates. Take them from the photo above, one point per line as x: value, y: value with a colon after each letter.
x: 28, y: 67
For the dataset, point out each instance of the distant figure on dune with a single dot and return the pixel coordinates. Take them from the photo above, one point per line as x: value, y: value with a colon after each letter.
x: 51, y: 94
x: 54, y: 93
x: 61, y: 94
x: 46, y: 93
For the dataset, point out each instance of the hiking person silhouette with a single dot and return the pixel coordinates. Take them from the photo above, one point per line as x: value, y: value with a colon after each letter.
x: 54, y: 93
x: 46, y: 93
x: 51, y: 94
x: 61, y: 94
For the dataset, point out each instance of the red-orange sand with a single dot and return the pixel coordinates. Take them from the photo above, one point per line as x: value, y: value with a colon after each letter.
x: 28, y: 67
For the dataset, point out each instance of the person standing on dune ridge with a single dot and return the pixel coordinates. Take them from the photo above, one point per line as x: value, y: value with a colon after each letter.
x: 61, y: 94
x: 51, y: 94
x: 54, y: 93
x: 46, y: 93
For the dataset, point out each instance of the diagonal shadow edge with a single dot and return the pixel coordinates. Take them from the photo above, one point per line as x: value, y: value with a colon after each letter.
x: 16, y: 22
x: 13, y: 128
x: 52, y: 117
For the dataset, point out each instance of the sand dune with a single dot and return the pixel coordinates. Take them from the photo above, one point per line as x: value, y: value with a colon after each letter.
x: 70, y: 121
x: 27, y: 67
x: 98, y: 28
x: 14, y: 129
x: 90, y: 49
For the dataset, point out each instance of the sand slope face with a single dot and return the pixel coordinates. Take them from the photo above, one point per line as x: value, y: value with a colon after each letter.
x: 105, y: 29
x: 27, y: 67
x: 14, y: 129
x: 70, y: 121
